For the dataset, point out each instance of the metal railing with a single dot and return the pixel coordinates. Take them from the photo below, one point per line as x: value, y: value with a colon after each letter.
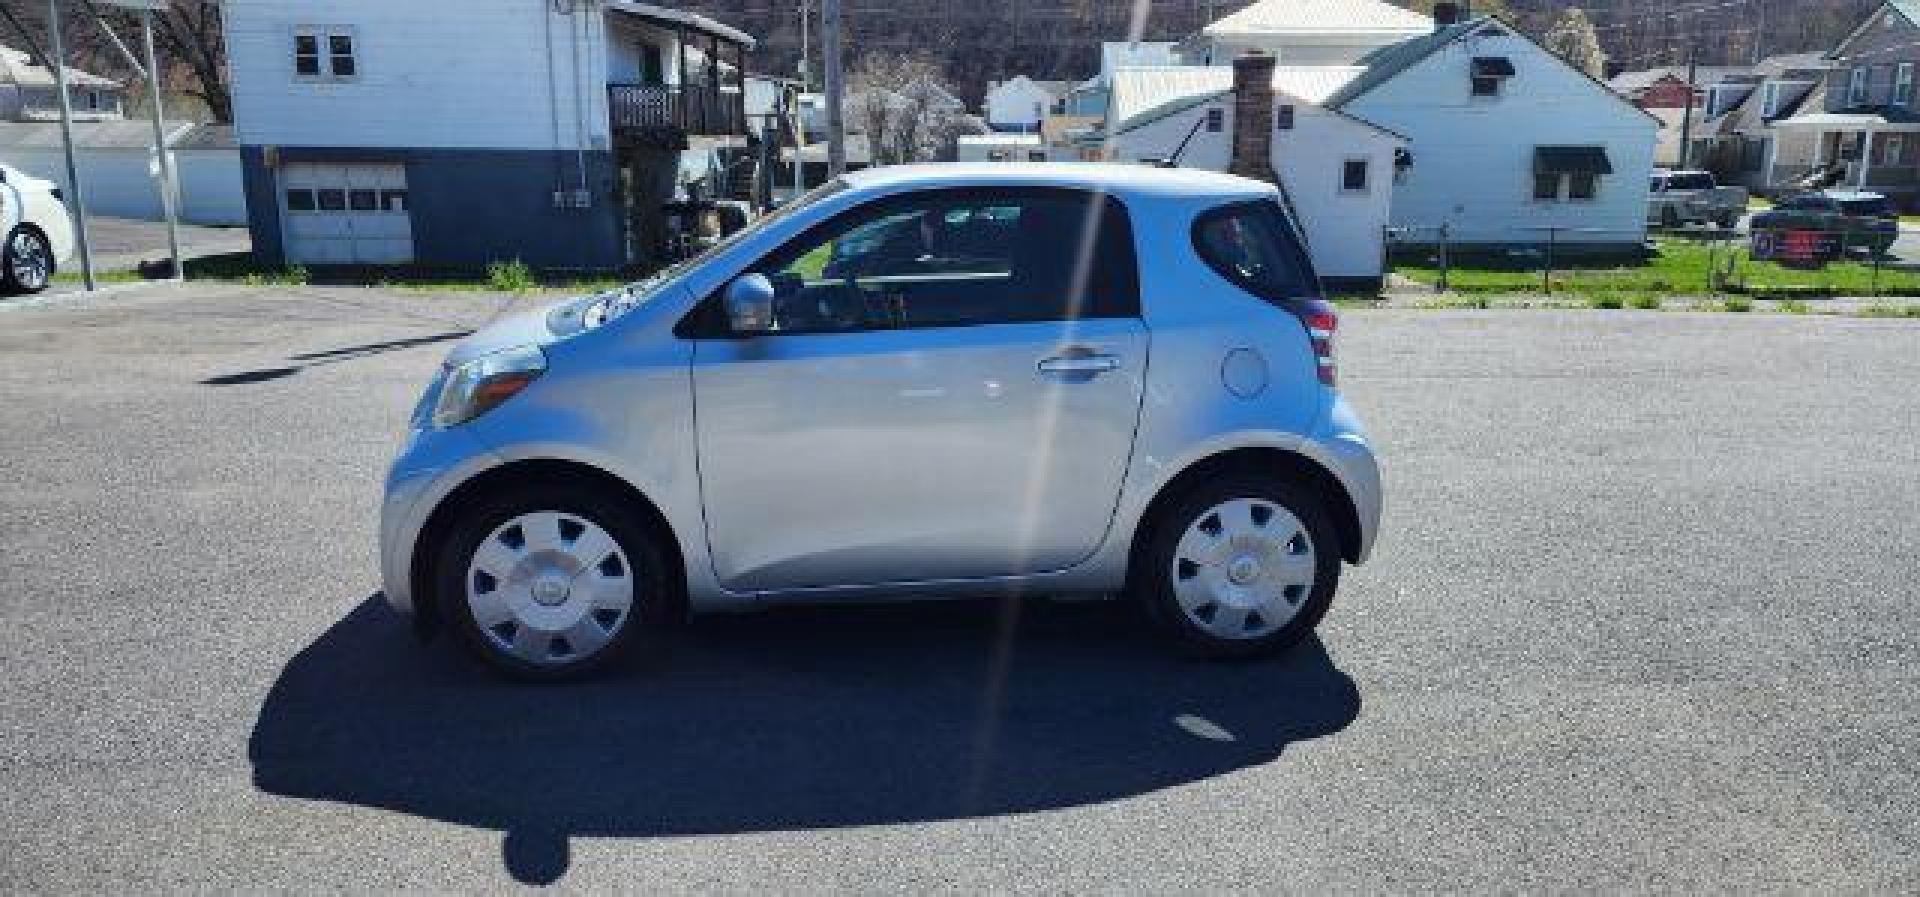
x: 694, y: 110
x: 1683, y: 262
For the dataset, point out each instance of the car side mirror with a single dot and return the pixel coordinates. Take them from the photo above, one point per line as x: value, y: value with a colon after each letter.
x: 749, y: 303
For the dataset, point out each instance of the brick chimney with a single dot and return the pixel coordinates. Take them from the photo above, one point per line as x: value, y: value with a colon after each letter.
x: 1253, y: 117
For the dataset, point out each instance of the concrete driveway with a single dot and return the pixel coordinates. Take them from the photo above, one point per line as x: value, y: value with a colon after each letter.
x: 1643, y: 618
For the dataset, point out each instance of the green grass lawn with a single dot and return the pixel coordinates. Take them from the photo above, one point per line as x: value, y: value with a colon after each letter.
x: 1676, y: 268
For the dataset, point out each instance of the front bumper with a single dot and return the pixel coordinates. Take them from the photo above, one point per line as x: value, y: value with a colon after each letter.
x: 428, y: 469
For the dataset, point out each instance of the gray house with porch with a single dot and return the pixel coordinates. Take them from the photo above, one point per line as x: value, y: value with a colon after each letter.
x: 461, y: 132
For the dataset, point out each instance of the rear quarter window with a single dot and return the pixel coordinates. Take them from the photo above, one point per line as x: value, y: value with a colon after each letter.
x: 1252, y: 245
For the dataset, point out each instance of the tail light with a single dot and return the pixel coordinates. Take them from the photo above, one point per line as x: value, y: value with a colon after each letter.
x: 1321, y: 321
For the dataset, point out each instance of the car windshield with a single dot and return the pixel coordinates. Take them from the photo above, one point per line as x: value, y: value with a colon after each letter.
x: 604, y: 307
x: 1872, y: 206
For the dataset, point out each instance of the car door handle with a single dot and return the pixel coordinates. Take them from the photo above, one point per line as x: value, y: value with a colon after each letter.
x: 1079, y: 363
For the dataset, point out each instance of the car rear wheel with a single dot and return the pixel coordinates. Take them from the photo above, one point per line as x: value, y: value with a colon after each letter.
x: 1242, y: 565
x: 550, y: 582
x: 26, y: 261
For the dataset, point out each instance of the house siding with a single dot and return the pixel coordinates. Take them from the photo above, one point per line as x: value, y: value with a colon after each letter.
x: 1344, y: 230
x: 1473, y: 157
x: 427, y: 76
x: 468, y: 207
x: 1887, y: 40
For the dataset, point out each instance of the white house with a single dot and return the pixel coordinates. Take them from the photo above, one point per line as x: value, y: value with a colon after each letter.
x: 1305, y: 32
x: 1509, y: 143
x: 999, y: 147
x: 1338, y: 170
x: 28, y: 92
x: 1020, y: 103
x: 466, y: 131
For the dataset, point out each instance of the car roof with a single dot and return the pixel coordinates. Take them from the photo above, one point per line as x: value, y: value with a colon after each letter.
x: 1852, y: 194
x: 1120, y: 180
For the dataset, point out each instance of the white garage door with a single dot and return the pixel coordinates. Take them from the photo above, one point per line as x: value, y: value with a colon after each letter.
x: 346, y: 214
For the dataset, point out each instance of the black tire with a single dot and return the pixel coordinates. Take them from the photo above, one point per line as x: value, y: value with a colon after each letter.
x: 14, y: 275
x: 1728, y: 222
x: 647, y: 562
x: 1152, y: 581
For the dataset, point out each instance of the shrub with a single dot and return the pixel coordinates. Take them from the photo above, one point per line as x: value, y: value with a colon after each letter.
x: 510, y: 277
x: 1645, y: 302
x: 1792, y: 307
x: 1737, y: 304
x: 1604, y: 300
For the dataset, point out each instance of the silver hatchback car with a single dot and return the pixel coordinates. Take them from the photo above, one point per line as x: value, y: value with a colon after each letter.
x: 913, y: 382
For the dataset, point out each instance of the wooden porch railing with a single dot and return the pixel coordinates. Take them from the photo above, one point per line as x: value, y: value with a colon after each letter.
x: 695, y: 110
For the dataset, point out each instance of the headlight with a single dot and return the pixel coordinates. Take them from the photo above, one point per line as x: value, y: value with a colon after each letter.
x: 480, y: 385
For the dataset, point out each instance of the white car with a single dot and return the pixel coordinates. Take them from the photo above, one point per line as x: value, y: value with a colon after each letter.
x: 38, y: 229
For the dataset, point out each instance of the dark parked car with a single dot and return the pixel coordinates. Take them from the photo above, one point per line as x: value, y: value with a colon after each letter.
x: 1844, y: 221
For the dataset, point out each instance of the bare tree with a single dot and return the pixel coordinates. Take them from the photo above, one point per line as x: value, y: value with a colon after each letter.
x: 190, y: 40
x: 899, y: 102
x: 1574, y: 39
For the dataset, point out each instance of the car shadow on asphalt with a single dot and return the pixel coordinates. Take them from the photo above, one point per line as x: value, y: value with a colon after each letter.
x: 330, y: 356
x: 791, y: 719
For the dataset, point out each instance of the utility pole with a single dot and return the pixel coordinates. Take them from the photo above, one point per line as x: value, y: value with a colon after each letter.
x: 1686, y: 119
x: 169, y: 179
x: 58, y: 63
x: 836, y: 122
x: 806, y: 48
x: 1759, y: 30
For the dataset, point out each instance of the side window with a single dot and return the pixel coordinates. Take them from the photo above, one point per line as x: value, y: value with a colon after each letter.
x: 1353, y: 176
x: 324, y: 54
x: 956, y: 259
x: 1251, y: 244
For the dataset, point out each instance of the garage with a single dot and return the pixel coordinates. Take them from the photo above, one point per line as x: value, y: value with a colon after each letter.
x: 346, y: 214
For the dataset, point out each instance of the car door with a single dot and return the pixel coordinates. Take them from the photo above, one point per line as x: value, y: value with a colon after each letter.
x: 950, y: 393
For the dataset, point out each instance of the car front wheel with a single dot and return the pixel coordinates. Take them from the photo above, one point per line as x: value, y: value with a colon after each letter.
x: 26, y: 262
x: 550, y: 582
x: 1242, y: 565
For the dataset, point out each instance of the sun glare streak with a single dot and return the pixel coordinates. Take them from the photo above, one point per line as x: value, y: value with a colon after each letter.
x: 1039, y: 468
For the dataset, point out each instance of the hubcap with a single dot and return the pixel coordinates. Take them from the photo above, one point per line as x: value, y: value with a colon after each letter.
x: 28, y: 260
x: 1243, y: 569
x: 550, y: 588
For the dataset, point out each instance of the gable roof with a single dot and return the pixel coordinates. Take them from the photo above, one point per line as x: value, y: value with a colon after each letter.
x: 1388, y: 62
x: 1145, y: 90
x: 1308, y: 84
x: 1185, y: 103
x: 1319, y: 17
x: 1908, y: 9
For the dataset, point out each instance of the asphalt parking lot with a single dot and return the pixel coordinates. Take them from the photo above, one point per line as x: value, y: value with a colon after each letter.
x: 1644, y: 617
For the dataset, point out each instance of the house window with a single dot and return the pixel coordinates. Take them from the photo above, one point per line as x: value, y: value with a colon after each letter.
x: 1283, y: 118
x: 1216, y: 120
x: 1353, y: 176
x: 1903, y: 84
x: 300, y: 201
x: 1487, y: 72
x: 1857, y: 86
x: 324, y: 54
x: 1036, y: 155
x: 1770, y: 100
x: 1579, y: 168
x: 1893, y: 149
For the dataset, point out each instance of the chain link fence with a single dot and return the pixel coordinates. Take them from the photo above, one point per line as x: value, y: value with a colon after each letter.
x: 1705, y: 262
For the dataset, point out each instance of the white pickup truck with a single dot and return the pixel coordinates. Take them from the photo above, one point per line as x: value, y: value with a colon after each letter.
x: 1675, y: 198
